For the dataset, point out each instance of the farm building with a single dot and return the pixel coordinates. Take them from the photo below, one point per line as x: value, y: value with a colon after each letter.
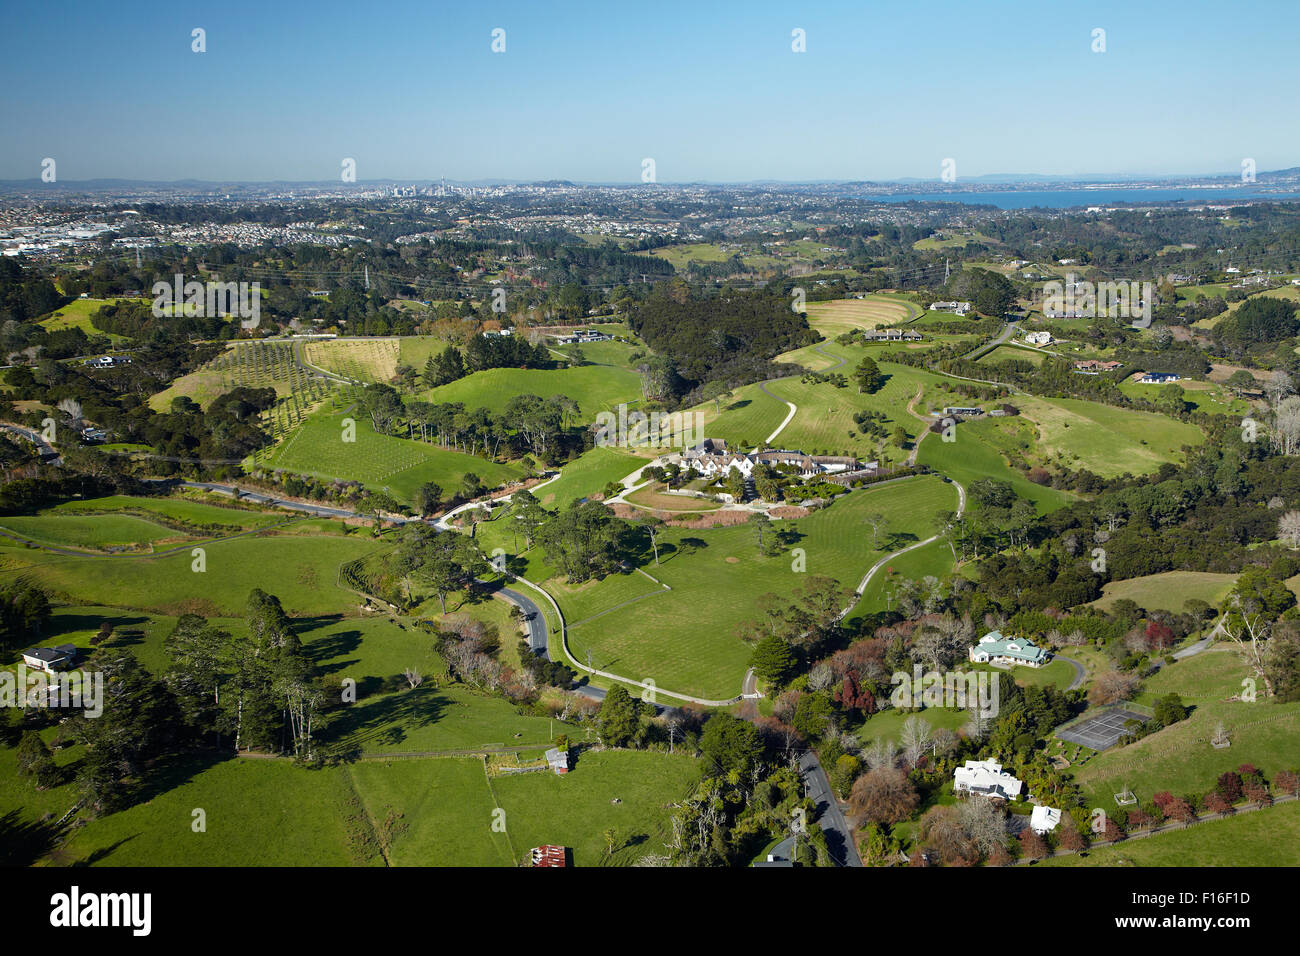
x: 549, y: 856
x: 558, y: 760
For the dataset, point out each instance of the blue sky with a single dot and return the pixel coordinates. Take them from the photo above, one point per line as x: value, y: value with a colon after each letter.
x: 585, y: 91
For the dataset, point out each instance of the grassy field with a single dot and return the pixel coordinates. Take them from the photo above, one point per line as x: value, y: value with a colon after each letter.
x: 76, y: 315
x: 1269, y: 837
x: 448, y: 808
x: 836, y: 316
x: 685, y: 639
x: 1104, y: 439
x: 588, y: 475
x: 397, y: 465
x: 971, y: 457
x: 361, y: 360
x: 1168, y: 591
x: 258, y: 364
x: 595, y: 388
x: 824, y: 421
x: 1180, y: 758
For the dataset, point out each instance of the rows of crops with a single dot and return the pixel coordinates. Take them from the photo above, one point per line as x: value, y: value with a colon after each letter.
x: 275, y: 365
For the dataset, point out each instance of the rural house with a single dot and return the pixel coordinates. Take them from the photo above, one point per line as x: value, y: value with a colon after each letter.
x: 985, y: 777
x: 993, y: 648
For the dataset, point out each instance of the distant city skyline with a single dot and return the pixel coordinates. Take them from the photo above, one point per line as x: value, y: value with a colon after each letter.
x: 413, y: 92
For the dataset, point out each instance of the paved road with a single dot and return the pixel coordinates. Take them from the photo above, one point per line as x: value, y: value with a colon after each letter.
x: 322, y: 511
x: 794, y: 410
x: 839, y: 838
x: 1007, y: 331
x: 46, y: 450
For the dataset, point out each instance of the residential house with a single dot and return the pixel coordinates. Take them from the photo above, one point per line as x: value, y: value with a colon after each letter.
x: 1044, y: 819
x: 1158, y: 378
x: 993, y: 648
x: 50, y: 659
x: 960, y: 308
x: 985, y: 777
x: 1095, y: 367
x: 1038, y: 338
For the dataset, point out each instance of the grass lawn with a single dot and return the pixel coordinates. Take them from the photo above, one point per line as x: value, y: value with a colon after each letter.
x: 888, y: 724
x: 1179, y: 758
x: 587, y: 475
x: 446, y: 808
x: 397, y: 465
x: 971, y: 457
x: 655, y: 496
x: 686, y: 639
x: 595, y: 388
x: 1268, y: 837
x: 1168, y: 591
x: 76, y: 315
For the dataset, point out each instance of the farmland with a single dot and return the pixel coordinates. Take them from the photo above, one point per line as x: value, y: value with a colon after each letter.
x: 595, y: 388
x: 398, y: 465
x: 633, y: 626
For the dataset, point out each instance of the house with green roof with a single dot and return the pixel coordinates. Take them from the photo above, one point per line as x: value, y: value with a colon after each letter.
x: 993, y: 648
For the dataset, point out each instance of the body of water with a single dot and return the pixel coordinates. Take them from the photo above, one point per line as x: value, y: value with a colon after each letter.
x: 1070, y: 198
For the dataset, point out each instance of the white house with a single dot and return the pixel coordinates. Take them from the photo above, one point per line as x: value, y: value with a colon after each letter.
x: 1038, y: 338
x: 985, y: 777
x: 49, y: 659
x: 1044, y: 819
x: 1158, y: 378
x: 993, y: 648
x: 960, y: 308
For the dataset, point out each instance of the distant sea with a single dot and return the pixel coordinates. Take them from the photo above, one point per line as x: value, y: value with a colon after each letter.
x: 1070, y: 198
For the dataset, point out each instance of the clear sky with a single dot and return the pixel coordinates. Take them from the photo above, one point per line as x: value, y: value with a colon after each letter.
x: 584, y: 91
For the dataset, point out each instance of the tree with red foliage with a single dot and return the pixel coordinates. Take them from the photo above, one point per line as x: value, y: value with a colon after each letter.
x: 1288, y: 781
x: 1159, y: 635
x: 999, y: 856
x: 853, y: 696
x: 1032, y: 846
x: 1070, y: 837
x: 1179, y: 809
x: 1215, y: 802
x: 1139, y: 818
x: 1229, y: 786
x: 1112, y: 831
x: 1257, y: 792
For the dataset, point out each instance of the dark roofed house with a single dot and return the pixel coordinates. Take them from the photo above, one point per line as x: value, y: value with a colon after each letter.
x: 50, y: 658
